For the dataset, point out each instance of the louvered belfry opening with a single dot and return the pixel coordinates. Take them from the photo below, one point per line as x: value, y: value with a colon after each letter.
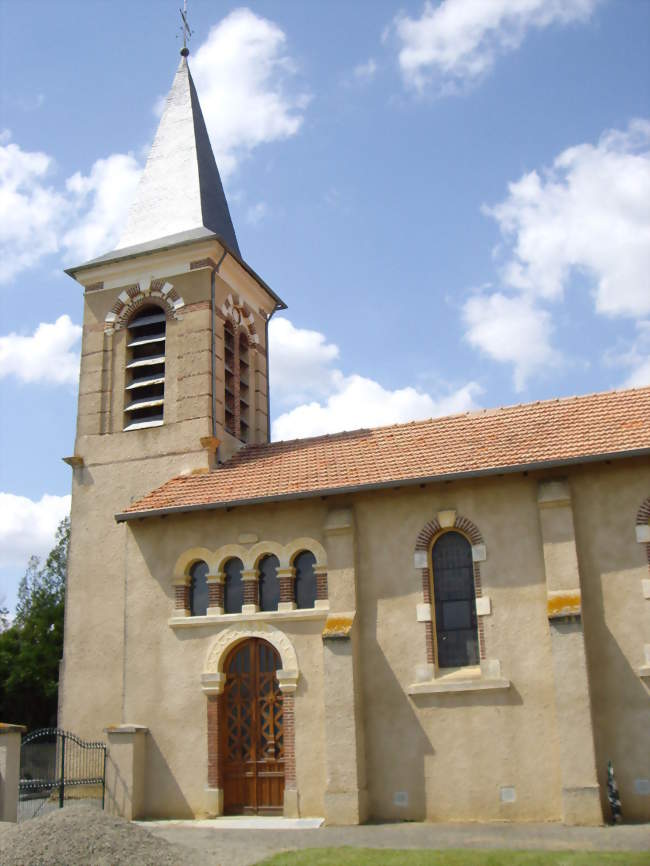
x: 229, y: 379
x: 244, y: 369
x: 236, y: 381
x: 145, y: 368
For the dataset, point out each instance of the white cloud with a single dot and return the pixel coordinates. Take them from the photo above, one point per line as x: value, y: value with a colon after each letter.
x: 511, y: 330
x: 83, y: 217
x: 256, y: 213
x: 300, y: 363
x: 28, y: 527
x: 587, y: 216
x: 32, y: 213
x: 102, y: 200
x: 365, y: 72
x: 634, y: 355
x: 361, y: 402
x: 244, y: 75
x: 589, y: 213
x: 302, y: 372
x: 50, y: 354
x: 457, y: 41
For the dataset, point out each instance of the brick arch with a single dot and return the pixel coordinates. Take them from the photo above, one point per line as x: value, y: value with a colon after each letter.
x: 159, y: 292
x: 433, y: 527
x: 240, y: 315
x: 423, y: 542
x: 643, y: 514
x: 643, y: 519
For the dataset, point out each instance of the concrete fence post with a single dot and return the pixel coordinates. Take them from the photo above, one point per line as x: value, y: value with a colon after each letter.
x: 125, y: 771
x: 10, y: 736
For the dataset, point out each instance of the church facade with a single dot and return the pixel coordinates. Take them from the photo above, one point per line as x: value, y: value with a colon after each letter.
x: 442, y: 620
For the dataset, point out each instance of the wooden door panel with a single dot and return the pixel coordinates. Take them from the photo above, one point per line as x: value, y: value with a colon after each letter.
x: 252, y: 744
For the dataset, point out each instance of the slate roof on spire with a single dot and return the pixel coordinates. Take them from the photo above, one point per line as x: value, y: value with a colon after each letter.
x: 180, y: 190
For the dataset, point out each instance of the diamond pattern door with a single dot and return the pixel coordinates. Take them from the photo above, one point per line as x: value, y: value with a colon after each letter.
x: 252, y: 744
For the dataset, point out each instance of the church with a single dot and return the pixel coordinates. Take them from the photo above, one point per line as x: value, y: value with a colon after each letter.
x: 442, y: 620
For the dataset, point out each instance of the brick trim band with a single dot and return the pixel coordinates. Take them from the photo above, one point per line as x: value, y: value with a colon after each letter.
x: 289, y: 731
x: 287, y: 589
x: 182, y: 597
x: 215, y: 594
x: 321, y: 587
x: 251, y: 592
x: 215, y: 774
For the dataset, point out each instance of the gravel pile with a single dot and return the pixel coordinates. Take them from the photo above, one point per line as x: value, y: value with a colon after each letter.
x: 81, y: 835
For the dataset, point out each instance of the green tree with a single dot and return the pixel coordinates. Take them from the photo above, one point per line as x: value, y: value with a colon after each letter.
x: 32, y: 645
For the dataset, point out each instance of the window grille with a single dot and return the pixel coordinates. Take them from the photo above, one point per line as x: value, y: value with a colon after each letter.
x: 229, y: 378
x: 236, y: 382
x: 455, y: 601
x: 244, y: 369
x: 145, y: 368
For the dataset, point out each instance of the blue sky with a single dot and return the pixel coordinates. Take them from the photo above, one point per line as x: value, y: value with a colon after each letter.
x: 453, y: 199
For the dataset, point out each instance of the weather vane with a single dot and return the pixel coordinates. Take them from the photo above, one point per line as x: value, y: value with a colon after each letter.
x: 185, y: 30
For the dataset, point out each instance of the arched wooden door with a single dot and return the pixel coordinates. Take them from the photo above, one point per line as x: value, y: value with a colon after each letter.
x: 252, y: 744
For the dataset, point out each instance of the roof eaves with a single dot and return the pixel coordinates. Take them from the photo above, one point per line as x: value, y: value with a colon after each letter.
x: 126, y: 516
x: 173, y: 242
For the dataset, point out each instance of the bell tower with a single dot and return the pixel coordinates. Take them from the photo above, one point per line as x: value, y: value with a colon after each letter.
x: 174, y: 375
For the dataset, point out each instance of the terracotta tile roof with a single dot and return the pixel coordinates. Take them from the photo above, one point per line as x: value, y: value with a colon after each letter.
x: 531, y: 435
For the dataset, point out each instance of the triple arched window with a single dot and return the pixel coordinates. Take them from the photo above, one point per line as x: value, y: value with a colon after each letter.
x: 454, y: 601
x: 262, y: 588
x: 145, y: 369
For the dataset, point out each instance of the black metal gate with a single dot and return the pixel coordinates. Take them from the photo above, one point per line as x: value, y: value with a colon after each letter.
x: 57, y: 766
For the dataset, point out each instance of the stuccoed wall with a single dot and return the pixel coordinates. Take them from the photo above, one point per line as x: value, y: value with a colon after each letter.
x: 119, y: 467
x: 617, y: 622
x: 165, y: 663
x: 451, y: 753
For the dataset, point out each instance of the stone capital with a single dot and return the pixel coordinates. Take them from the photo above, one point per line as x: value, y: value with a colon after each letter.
x: 288, y: 680
x: 212, y: 684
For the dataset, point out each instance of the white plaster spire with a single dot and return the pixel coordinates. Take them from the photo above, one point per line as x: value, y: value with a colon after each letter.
x: 180, y: 189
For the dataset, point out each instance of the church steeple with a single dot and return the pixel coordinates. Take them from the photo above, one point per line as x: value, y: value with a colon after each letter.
x: 180, y: 190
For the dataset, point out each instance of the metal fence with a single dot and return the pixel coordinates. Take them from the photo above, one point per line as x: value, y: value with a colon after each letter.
x: 57, y: 767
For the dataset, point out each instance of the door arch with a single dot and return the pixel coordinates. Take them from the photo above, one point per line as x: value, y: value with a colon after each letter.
x: 252, y: 730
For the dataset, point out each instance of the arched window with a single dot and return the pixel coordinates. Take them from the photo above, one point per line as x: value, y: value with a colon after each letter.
x: 199, y: 594
x: 455, y: 601
x: 234, y: 587
x: 305, y: 579
x: 269, y: 583
x: 145, y: 369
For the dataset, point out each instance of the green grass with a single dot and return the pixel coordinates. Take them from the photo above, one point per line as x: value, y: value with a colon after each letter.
x: 465, y: 857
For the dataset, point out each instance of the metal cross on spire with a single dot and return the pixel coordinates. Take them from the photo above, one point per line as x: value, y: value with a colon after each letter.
x: 185, y: 29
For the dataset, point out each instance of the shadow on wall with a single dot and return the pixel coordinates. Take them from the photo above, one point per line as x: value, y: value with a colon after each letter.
x: 119, y: 788
x: 169, y: 800
x: 398, y: 748
x: 619, y: 706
